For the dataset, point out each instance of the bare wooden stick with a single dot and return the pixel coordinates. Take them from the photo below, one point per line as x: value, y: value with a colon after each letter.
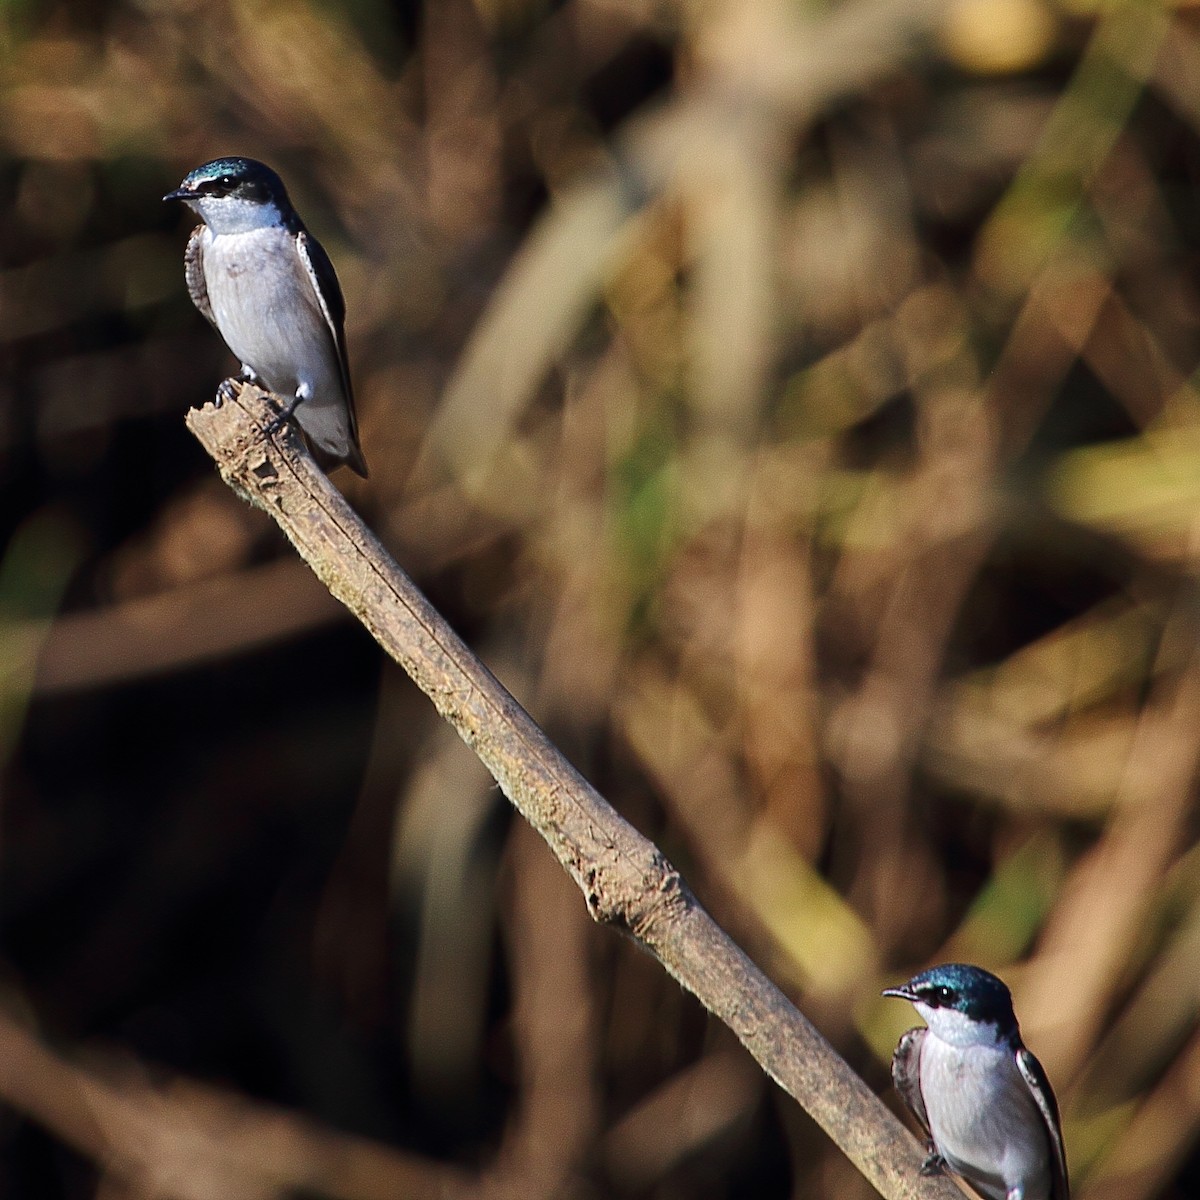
x: 625, y: 879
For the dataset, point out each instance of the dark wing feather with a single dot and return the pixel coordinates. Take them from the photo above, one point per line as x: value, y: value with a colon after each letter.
x: 193, y: 272
x: 1043, y: 1095
x: 325, y: 284
x: 906, y: 1074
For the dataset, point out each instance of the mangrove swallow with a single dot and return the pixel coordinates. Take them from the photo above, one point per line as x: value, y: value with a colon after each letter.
x: 982, y: 1098
x: 269, y: 289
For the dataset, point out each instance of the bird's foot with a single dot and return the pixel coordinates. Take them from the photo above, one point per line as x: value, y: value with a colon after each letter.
x: 935, y: 1164
x: 282, y: 417
x: 225, y: 391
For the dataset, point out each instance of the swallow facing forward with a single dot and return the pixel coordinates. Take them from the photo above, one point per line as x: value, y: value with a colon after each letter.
x: 982, y: 1097
x: 268, y: 287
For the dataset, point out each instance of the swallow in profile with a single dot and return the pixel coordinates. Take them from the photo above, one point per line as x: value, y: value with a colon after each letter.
x: 268, y: 287
x: 980, y: 1095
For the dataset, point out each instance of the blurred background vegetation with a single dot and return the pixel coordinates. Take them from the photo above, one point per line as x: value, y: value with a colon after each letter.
x: 793, y: 404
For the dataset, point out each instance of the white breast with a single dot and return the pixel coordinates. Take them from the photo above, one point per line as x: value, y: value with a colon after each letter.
x: 264, y: 305
x: 983, y: 1119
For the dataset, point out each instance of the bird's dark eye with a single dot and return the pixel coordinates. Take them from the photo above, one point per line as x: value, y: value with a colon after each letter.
x: 226, y: 181
x: 938, y: 995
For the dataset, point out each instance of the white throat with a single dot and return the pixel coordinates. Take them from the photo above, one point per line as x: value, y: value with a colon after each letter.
x: 957, y: 1029
x: 230, y: 214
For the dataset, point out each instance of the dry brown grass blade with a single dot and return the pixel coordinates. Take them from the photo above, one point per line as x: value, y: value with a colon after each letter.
x: 191, y: 1142
x: 687, y: 1110
x: 625, y: 879
x: 555, y: 1026
x: 721, y: 139
x: 200, y: 621
x: 1151, y: 1149
x: 1095, y: 924
x: 535, y: 313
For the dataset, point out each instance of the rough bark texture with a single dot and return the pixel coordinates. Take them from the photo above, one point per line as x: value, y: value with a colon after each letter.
x: 625, y: 879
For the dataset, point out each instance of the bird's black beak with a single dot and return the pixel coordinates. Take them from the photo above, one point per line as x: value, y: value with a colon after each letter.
x: 179, y: 194
x: 900, y: 993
